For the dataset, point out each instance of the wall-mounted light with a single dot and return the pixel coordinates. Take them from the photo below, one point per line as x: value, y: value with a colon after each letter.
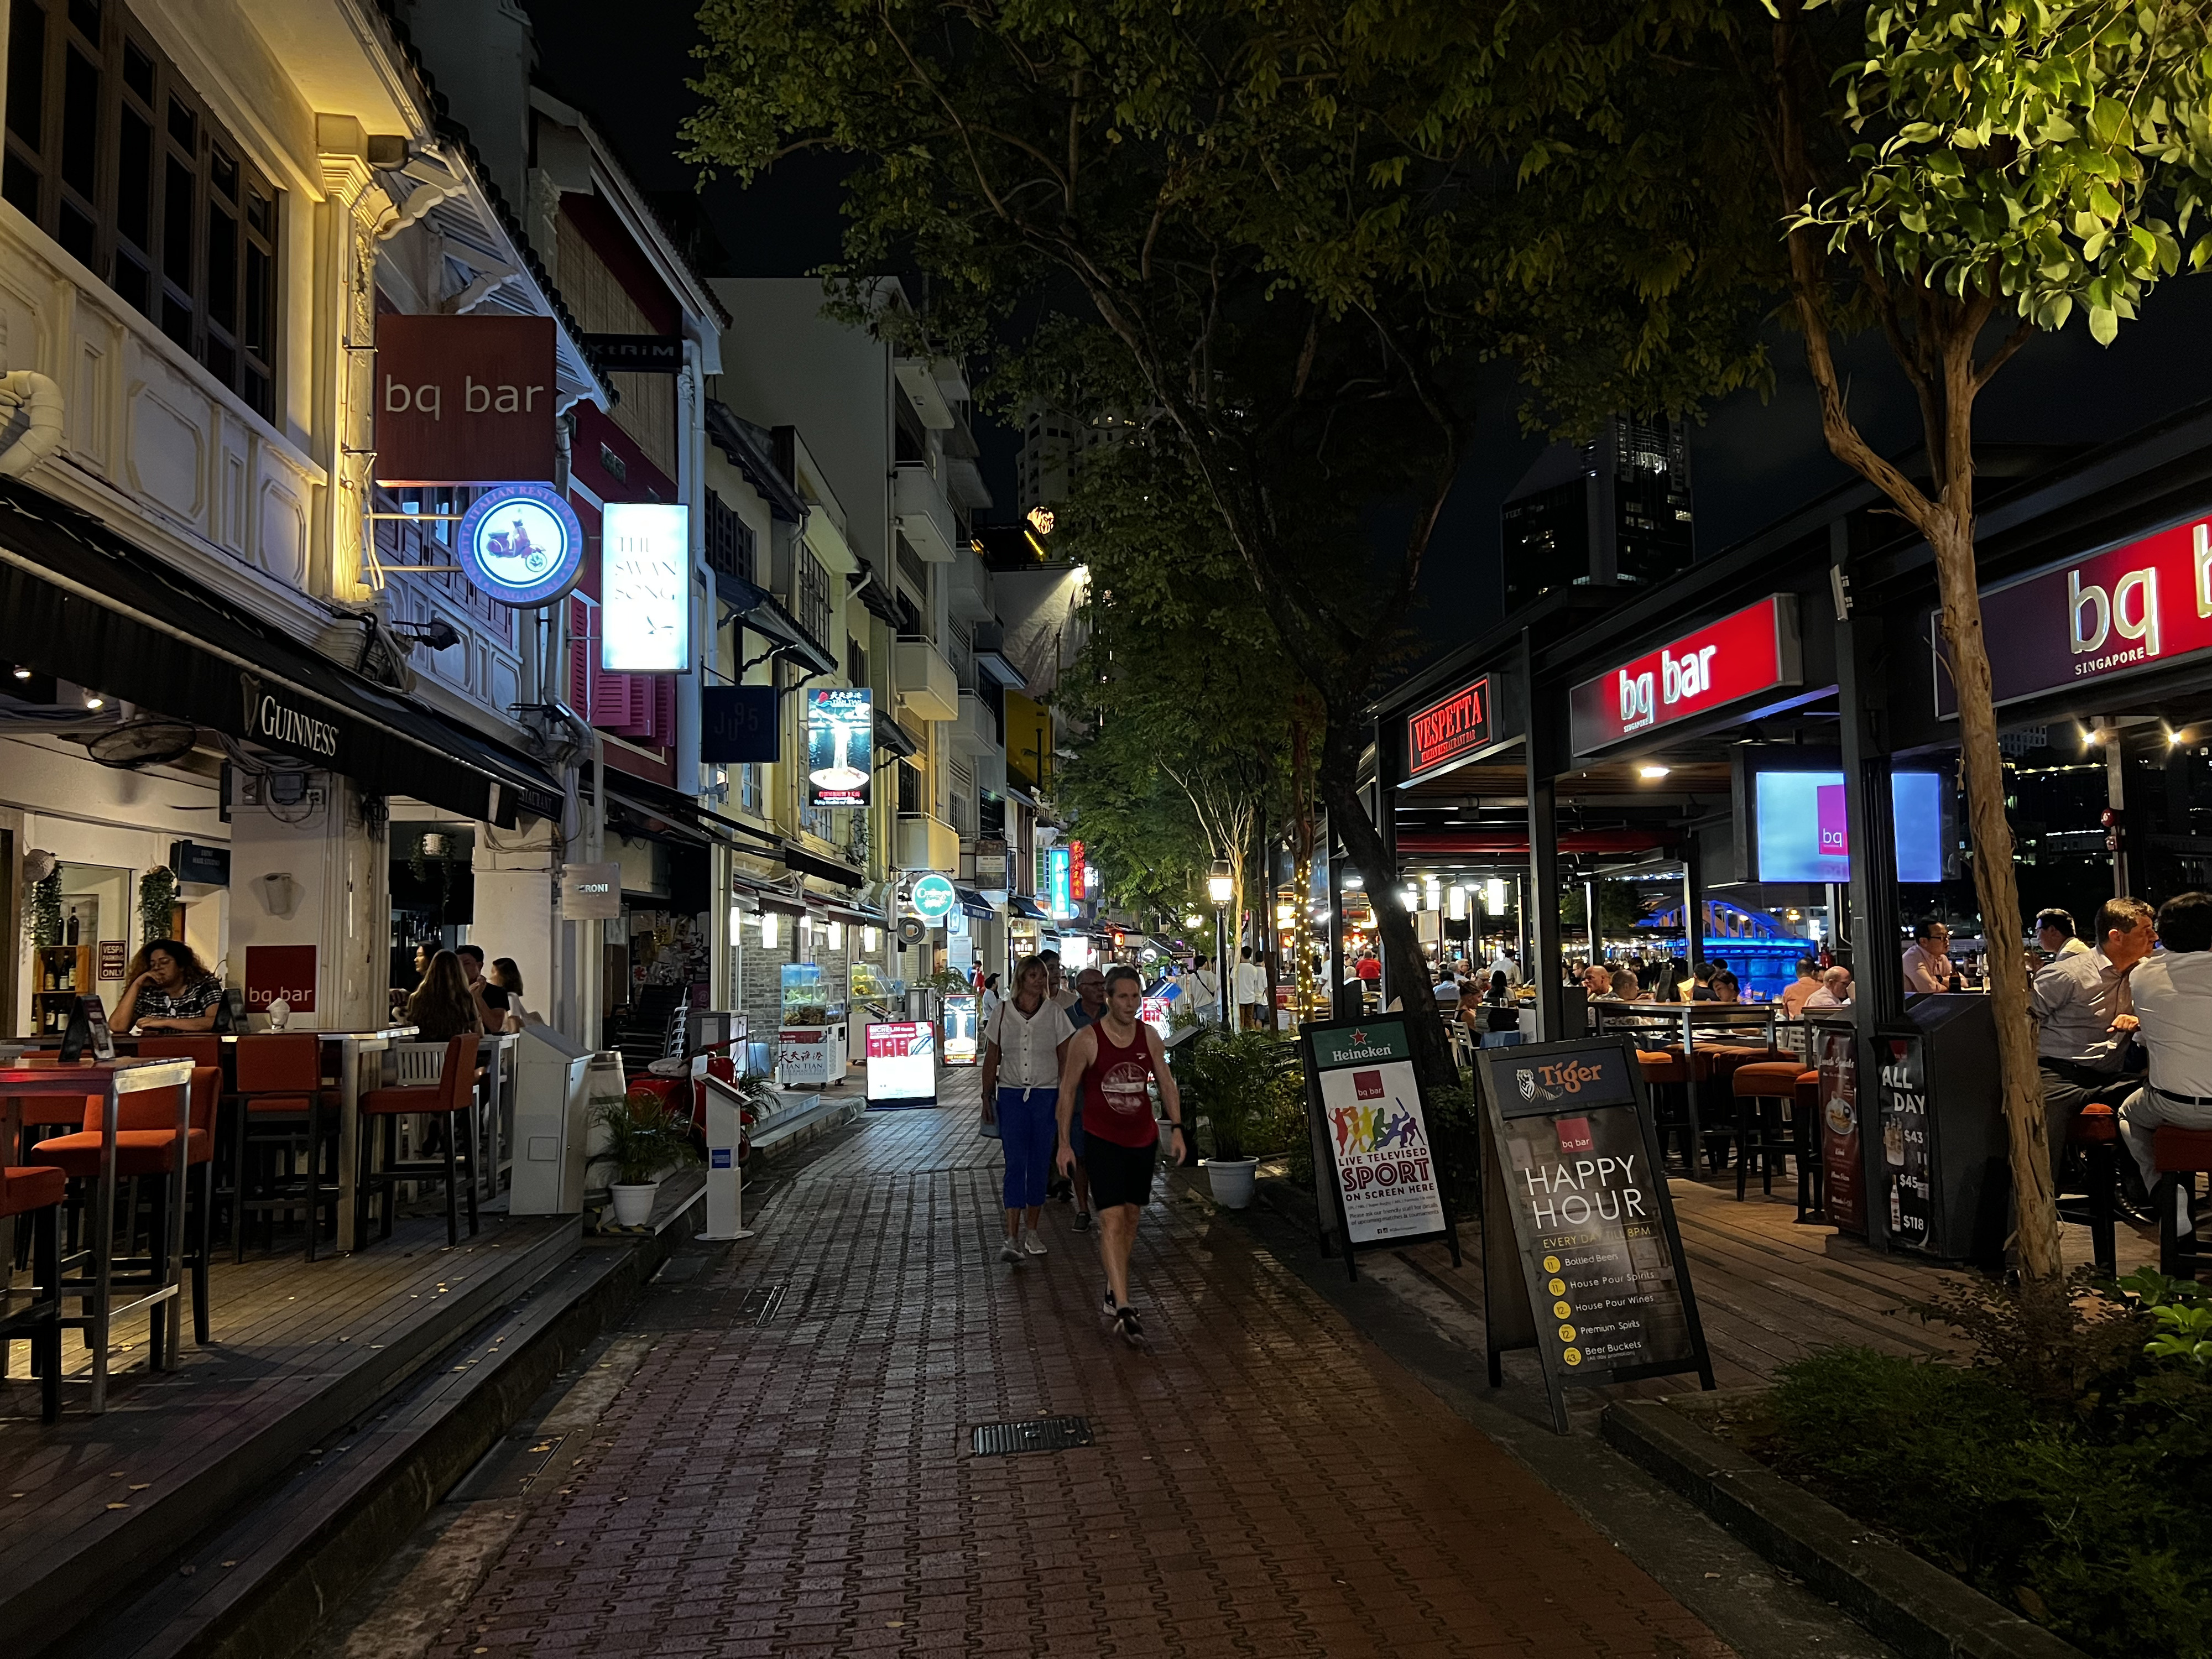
x: 93, y: 700
x: 867, y: 941
x: 1652, y: 771
x: 768, y: 929
x: 836, y: 934
x: 2175, y: 739
x: 21, y: 672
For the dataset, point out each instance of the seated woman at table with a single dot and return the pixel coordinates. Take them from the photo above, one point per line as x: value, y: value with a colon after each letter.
x: 502, y: 989
x: 443, y: 1008
x: 1727, y: 987
x: 169, y: 989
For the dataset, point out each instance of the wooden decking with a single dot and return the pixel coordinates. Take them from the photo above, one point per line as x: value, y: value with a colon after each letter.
x: 1771, y: 1290
x: 299, y: 1353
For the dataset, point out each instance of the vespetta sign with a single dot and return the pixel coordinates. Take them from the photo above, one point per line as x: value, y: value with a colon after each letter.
x: 2139, y: 605
x: 464, y: 400
x: 521, y: 545
x: 1448, y: 731
x: 1723, y: 663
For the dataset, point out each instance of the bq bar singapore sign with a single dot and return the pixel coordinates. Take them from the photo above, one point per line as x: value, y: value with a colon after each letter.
x: 2124, y: 609
x: 464, y: 400
x: 1581, y: 1259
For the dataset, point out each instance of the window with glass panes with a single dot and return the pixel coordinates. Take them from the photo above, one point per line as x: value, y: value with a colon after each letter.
x: 110, y: 152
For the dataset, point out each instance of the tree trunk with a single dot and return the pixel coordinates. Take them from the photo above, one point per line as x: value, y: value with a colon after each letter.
x: 1402, y: 948
x: 2034, y: 1189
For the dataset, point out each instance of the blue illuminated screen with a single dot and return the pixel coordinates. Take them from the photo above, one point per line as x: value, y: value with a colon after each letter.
x: 1801, y: 833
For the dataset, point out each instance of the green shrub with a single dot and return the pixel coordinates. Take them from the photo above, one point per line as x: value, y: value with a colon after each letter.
x: 1228, y: 1077
x: 2064, y: 1474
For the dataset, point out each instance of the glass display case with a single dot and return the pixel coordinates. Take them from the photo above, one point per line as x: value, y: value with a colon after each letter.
x: 810, y: 1044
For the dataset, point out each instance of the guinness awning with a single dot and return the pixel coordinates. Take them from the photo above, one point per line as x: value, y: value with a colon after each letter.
x: 79, y: 603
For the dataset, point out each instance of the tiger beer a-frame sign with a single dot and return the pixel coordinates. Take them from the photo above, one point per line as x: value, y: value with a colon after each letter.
x: 1581, y: 1259
x: 1371, y: 1147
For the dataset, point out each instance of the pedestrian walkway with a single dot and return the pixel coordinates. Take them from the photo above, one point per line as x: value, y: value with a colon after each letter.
x: 789, y: 1472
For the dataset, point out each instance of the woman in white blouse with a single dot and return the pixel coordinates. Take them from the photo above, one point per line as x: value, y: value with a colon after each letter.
x: 1022, y: 1045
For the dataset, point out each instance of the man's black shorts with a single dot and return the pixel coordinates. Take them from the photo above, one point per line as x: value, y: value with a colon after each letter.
x: 1119, y: 1174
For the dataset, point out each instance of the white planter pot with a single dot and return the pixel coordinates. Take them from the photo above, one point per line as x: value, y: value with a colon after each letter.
x: 1231, y: 1180
x: 633, y: 1204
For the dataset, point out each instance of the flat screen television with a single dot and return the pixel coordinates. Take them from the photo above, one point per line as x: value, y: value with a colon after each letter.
x: 1792, y: 825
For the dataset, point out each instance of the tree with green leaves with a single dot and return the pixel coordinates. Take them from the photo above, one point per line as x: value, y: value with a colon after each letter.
x: 1298, y: 226
x: 1964, y: 173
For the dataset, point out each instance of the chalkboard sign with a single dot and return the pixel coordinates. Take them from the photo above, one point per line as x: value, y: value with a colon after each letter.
x: 1904, y: 1141
x: 87, y: 1026
x: 1581, y: 1259
x: 1371, y: 1145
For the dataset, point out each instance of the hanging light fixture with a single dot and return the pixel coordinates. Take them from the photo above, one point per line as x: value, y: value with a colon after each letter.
x: 1493, y: 895
x: 1458, y: 902
x: 1221, y: 886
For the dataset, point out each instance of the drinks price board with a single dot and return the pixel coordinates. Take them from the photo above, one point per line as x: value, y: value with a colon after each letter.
x: 1371, y: 1145
x: 1581, y: 1258
x: 902, y: 1063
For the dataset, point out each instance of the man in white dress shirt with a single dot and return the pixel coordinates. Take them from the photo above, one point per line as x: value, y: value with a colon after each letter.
x: 2172, y: 995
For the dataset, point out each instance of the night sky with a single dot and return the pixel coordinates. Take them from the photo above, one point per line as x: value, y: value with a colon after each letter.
x: 1751, y: 461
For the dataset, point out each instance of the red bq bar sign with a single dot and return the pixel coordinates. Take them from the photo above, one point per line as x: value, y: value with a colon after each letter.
x: 2140, y: 606
x: 1738, y: 656
x: 1448, y: 731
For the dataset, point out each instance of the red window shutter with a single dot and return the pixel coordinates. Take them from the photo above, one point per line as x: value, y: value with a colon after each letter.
x: 663, y: 710
x: 583, y: 654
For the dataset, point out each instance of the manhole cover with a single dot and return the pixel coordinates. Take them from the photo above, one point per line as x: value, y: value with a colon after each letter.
x: 1038, y: 1434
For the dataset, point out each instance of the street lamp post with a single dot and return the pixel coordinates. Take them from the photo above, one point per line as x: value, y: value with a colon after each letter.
x: 1220, y: 887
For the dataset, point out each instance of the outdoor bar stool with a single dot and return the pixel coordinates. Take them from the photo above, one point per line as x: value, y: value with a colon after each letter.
x: 35, y: 1194
x: 202, y: 1050
x: 1696, y: 1066
x: 1668, y: 1077
x: 2179, y: 1155
x: 451, y: 1096
x: 1808, y: 1107
x: 1754, y: 1083
x: 2096, y: 1131
x: 282, y: 1102
x: 146, y: 1145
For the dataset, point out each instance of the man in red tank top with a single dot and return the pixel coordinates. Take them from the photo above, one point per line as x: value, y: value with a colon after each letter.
x: 1113, y: 1062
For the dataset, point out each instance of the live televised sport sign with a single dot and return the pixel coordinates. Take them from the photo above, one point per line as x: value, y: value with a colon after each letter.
x: 1581, y: 1258
x: 1371, y: 1143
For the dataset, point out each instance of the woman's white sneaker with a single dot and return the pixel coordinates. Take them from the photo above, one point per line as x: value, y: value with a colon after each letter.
x: 1034, y: 1245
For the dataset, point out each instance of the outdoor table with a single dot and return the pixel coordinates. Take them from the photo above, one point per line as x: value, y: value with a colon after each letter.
x: 111, y: 1080
x: 356, y: 1053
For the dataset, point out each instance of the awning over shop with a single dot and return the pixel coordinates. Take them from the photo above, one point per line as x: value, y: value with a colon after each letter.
x: 79, y: 603
x: 893, y: 738
x: 666, y: 811
x: 1021, y: 904
x: 814, y: 864
x: 973, y: 902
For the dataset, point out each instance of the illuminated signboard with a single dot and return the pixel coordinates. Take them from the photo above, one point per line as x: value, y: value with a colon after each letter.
x: 1449, y: 730
x: 841, y: 746
x: 645, y: 588
x: 1724, y: 663
x: 902, y: 1062
x: 2142, y: 605
x: 464, y: 400
x: 520, y: 543
x: 1077, y: 891
x: 1060, y: 901
x: 934, y: 898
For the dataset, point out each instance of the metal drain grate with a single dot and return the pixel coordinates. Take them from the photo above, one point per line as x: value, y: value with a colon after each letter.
x: 1036, y: 1435
x: 761, y: 1303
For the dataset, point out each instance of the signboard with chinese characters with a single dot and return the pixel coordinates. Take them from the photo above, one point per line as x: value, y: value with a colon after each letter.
x: 464, y: 400
x: 280, y: 973
x: 902, y: 1063
x: 1729, y: 662
x: 1448, y: 731
x: 521, y: 545
x: 645, y: 588
x: 1581, y: 1258
x: 2130, y: 607
x: 1077, y: 892
x: 840, y: 736
x: 1059, y: 898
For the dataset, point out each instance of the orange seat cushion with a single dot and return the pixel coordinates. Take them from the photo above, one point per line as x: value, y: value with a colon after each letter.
x: 137, y: 1151
x: 2182, y: 1149
x: 1661, y: 1068
x: 295, y: 1105
x: 1697, y: 1063
x: 389, y: 1103
x: 2094, y: 1123
x: 1776, y: 1079
x: 31, y: 1188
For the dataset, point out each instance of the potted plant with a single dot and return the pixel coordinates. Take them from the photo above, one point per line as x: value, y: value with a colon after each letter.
x: 643, y: 1143
x: 1228, y: 1076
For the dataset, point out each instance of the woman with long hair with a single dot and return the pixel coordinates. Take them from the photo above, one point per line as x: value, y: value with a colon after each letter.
x: 169, y: 989
x: 443, y: 1007
x: 1022, y: 1050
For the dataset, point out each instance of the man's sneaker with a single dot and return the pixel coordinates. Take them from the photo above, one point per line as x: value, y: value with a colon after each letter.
x: 1011, y: 1252
x: 1033, y: 1244
x: 1083, y: 1221
x: 1131, y: 1327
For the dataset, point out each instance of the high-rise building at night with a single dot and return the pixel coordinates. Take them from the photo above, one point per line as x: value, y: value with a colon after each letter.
x: 1612, y: 510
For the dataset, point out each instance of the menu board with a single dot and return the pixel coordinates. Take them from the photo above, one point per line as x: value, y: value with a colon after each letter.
x: 902, y: 1063
x: 1581, y: 1258
x: 1843, y: 1169
x: 1369, y: 1127
x: 1904, y: 1171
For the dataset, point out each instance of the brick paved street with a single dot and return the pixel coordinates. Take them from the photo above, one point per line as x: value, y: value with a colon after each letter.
x: 1263, y: 1480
